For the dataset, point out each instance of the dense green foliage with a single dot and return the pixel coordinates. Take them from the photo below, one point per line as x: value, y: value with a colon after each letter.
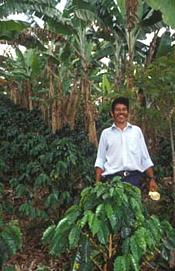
x: 10, y: 240
x: 47, y: 171
x: 10, y: 234
x: 110, y: 209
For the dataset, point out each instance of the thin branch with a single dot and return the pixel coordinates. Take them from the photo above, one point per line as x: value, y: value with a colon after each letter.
x: 98, y: 248
x: 97, y: 264
x: 150, y: 265
x: 110, y: 246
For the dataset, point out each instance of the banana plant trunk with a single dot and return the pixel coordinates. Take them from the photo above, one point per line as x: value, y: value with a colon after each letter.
x: 130, y: 77
x: 14, y: 93
x: 89, y: 111
x: 72, y: 106
x: 25, y: 95
x: 56, y: 105
x: 59, y: 106
x: 29, y: 94
x: 55, y: 98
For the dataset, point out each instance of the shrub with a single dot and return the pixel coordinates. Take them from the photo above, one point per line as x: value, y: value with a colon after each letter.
x: 10, y: 240
x: 108, y: 227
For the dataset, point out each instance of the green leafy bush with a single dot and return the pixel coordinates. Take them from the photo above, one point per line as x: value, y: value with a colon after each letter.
x: 10, y: 240
x: 108, y: 227
x: 46, y: 172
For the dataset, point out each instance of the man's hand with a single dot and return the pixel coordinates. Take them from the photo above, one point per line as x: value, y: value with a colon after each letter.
x: 151, y: 178
x: 152, y: 185
x: 98, y: 172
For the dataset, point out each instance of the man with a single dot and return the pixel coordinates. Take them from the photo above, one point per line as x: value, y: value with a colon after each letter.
x: 122, y: 150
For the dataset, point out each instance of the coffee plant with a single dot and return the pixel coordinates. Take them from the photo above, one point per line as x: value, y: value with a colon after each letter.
x: 10, y: 239
x: 108, y: 229
x: 46, y: 172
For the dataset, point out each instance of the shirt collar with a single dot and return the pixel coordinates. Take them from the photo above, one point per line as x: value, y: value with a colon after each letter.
x: 128, y: 125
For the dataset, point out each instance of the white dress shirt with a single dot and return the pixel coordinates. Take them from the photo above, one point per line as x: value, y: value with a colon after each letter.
x: 122, y: 150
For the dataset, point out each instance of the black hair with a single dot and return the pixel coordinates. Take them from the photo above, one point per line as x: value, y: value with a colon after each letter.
x: 120, y: 100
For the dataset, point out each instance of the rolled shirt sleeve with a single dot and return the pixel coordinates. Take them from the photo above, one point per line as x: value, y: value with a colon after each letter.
x: 101, y: 154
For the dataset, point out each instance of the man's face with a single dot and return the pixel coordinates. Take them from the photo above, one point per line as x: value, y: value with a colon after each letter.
x: 120, y: 114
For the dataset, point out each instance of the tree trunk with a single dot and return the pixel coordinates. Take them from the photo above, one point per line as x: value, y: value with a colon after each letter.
x: 24, y: 95
x: 56, y: 97
x: 45, y: 114
x: 29, y: 92
x: 13, y: 94
x: 60, y: 107
x: 130, y: 75
x: 131, y: 21
x: 72, y: 106
x: 89, y: 111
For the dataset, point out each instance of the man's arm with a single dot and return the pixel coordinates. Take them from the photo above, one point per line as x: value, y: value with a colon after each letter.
x: 152, y: 182
x: 98, y: 172
x: 147, y: 164
x: 101, y: 157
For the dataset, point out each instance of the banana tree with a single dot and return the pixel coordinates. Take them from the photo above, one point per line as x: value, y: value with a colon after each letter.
x: 41, y: 78
x: 24, y: 70
x: 121, y: 25
x: 48, y: 12
x: 63, y: 90
x: 17, y: 32
x: 75, y: 31
x: 128, y: 22
x: 85, y: 49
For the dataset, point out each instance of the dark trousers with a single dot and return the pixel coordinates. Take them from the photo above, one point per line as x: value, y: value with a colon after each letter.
x: 133, y: 177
